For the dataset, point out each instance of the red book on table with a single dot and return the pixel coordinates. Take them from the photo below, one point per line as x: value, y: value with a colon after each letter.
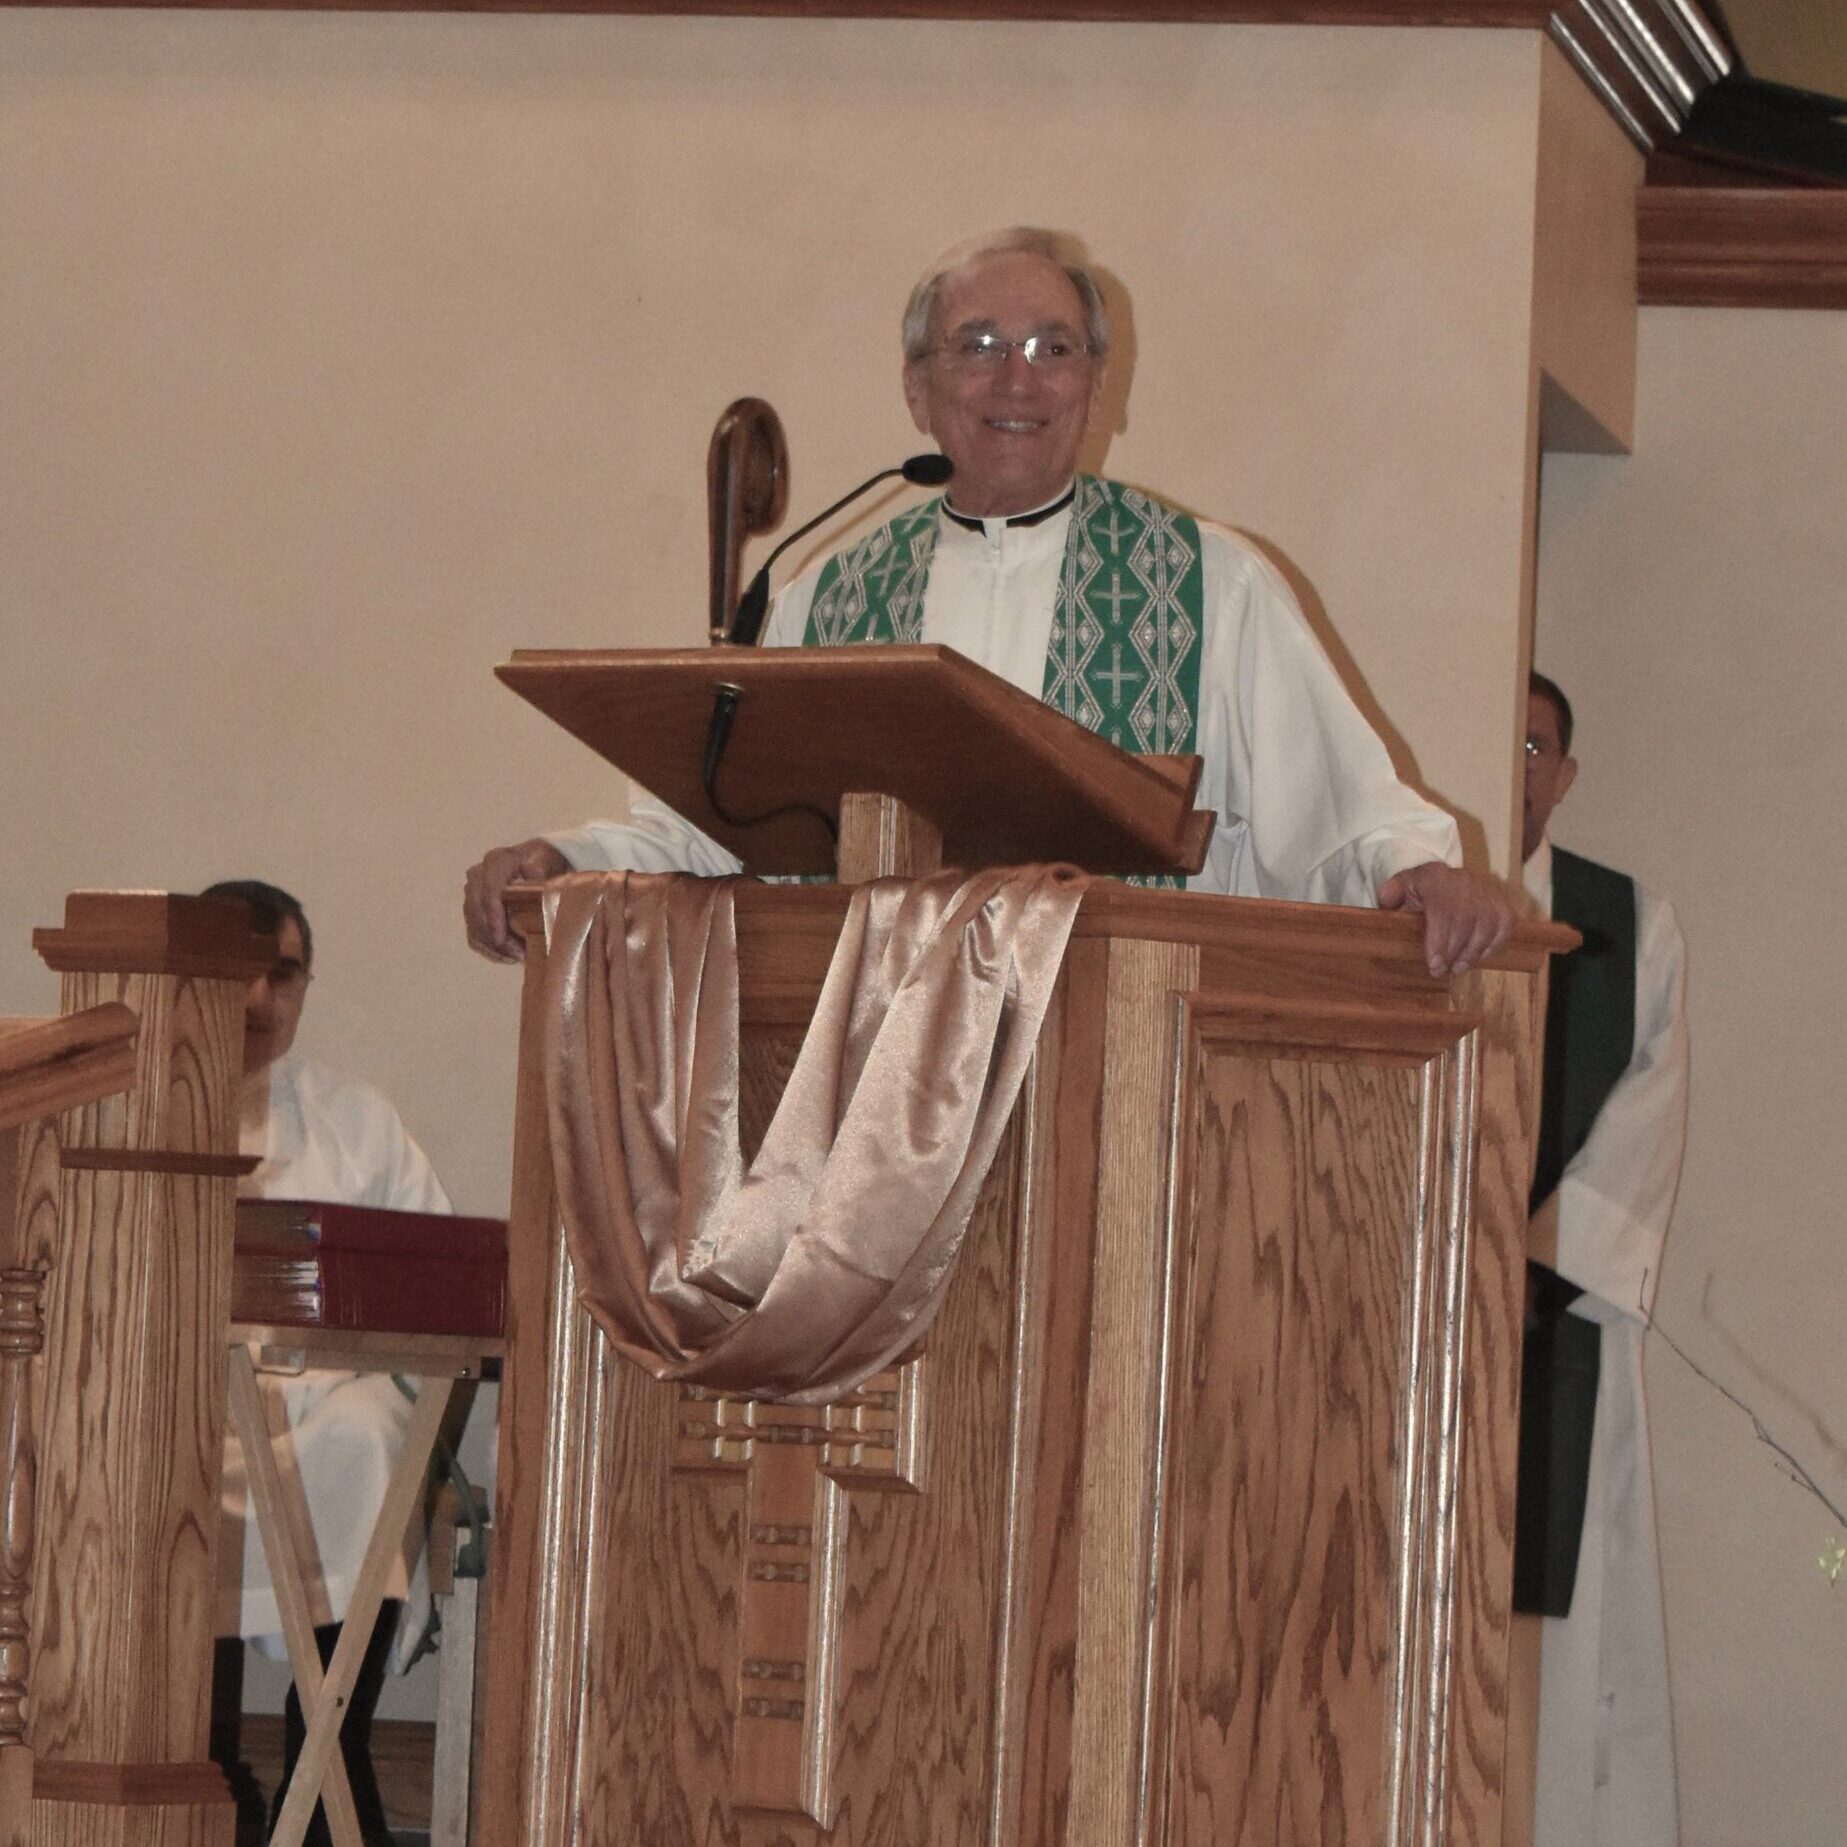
x: 310, y: 1263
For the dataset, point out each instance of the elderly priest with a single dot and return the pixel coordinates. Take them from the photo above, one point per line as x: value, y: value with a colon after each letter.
x: 1160, y: 631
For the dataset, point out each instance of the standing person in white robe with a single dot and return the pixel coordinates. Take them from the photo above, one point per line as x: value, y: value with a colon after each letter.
x: 321, y: 1135
x: 1026, y: 567
x: 1606, y: 1740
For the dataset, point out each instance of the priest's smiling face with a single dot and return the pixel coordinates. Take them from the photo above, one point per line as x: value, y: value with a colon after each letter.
x: 1012, y: 429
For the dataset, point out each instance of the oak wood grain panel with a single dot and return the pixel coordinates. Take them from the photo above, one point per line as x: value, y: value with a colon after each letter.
x: 47, y: 1066
x: 97, y: 1819
x: 1317, y: 938
x: 31, y: 1238
x: 1520, y: 1764
x: 132, y: 1447
x: 130, y: 1390
x: 1742, y: 246
x: 661, y: 1658
x: 158, y: 1161
x: 786, y: 935
x: 136, y: 1308
x: 1125, y: 1394
x: 15, y: 1795
x: 130, y: 1785
x: 190, y: 1051
x: 765, y: 1059
x: 925, y: 1573
x: 1283, y: 1549
x: 1508, y: 1111
x: 11, y: 1171
x: 881, y: 837
x: 516, y: 1666
x: 1045, y: 1468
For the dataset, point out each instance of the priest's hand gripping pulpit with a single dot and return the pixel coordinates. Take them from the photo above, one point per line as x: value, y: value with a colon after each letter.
x: 1189, y: 1521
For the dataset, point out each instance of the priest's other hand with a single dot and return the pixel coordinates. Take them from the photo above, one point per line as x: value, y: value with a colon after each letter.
x: 484, y: 895
x: 1466, y: 916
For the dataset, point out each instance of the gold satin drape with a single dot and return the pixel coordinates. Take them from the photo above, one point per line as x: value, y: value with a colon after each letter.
x: 805, y: 1274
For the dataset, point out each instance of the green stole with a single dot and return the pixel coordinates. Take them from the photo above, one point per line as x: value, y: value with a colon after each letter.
x: 1127, y: 627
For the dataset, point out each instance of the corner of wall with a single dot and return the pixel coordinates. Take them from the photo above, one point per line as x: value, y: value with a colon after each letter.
x: 1584, y: 290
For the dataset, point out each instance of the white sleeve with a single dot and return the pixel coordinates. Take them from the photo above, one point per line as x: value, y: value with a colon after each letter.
x: 363, y: 1144
x: 1617, y: 1195
x: 410, y: 1181
x: 654, y: 838
x: 1309, y: 804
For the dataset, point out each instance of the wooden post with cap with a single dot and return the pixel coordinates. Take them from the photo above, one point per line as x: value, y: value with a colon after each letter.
x: 126, y: 1206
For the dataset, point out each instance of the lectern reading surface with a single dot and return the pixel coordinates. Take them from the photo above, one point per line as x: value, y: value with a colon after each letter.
x: 1004, y: 778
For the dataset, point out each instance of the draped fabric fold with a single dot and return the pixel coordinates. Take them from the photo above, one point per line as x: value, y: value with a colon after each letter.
x: 804, y: 1274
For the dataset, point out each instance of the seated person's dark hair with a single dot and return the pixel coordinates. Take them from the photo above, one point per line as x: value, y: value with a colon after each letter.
x: 269, y: 904
x: 1536, y: 682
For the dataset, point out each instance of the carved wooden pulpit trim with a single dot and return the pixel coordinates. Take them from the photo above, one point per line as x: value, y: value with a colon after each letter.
x: 798, y: 1463
x: 1415, y: 1372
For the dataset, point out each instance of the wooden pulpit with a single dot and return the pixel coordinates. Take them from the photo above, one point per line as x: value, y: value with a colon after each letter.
x: 1190, y: 1522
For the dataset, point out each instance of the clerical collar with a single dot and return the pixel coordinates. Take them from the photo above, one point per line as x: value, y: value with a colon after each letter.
x: 1036, y: 517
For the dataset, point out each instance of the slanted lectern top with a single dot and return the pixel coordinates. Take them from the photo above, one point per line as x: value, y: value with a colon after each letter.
x: 1002, y: 777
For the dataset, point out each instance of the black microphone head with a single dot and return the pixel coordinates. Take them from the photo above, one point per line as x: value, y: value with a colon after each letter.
x: 927, y: 470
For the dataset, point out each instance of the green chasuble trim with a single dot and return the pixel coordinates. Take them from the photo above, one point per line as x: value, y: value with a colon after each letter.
x: 1127, y: 629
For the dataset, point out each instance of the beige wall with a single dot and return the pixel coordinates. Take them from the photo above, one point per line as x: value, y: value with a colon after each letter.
x: 344, y: 353
x: 1691, y: 601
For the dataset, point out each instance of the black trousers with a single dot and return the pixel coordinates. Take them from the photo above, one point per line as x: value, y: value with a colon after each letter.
x: 355, y: 1737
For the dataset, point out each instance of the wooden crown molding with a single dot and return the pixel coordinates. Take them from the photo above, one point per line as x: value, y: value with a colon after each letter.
x: 1741, y: 247
x: 1531, y: 14
x: 1648, y: 60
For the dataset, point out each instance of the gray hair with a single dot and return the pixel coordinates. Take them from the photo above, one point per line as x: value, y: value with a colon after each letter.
x: 1054, y: 246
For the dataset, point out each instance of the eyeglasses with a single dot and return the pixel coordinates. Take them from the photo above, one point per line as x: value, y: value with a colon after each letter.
x: 289, y: 976
x: 988, y: 352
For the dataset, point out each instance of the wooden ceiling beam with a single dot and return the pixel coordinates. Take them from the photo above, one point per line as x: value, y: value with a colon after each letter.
x: 1741, y: 246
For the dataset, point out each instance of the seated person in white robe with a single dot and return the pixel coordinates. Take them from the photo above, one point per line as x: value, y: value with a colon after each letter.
x: 319, y: 1135
x: 1161, y: 632
x: 1587, y: 1559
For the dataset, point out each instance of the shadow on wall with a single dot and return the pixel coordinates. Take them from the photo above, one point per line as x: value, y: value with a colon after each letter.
x: 1112, y: 420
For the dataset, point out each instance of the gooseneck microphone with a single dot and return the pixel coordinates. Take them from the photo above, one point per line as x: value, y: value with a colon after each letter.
x: 753, y: 605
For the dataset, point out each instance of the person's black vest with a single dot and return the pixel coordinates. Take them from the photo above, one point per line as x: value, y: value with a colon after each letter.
x: 1590, y: 1011
x: 1590, y: 1038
